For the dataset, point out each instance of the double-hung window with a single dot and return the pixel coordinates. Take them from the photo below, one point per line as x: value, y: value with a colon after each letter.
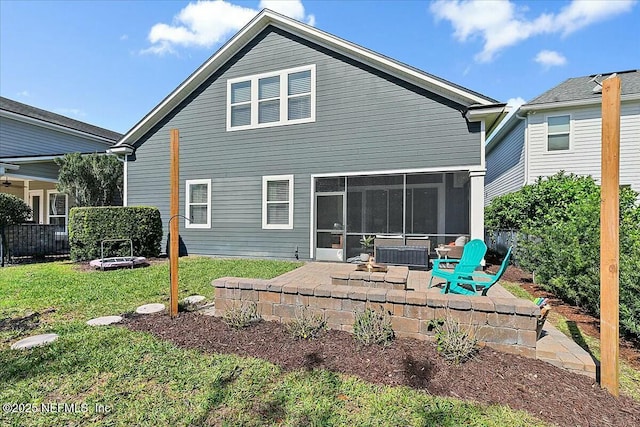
x: 57, y: 210
x: 558, y: 133
x: 277, y: 202
x: 198, y: 203
x: 271, y: 99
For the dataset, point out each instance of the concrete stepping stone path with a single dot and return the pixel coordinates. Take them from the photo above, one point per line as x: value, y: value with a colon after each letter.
x: 34, y: 341
x: 150, y: 308
x: 194, y: 299
x: 104, y: 320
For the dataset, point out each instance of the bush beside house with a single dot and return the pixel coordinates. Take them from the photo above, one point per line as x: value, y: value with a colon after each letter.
x: 89, y: 226
x: 559, y: 218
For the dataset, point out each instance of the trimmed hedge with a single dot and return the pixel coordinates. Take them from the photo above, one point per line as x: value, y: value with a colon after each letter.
x: 89, y: 226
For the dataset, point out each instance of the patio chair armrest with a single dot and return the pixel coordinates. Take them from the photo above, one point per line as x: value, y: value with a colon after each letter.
x: 444, y: 261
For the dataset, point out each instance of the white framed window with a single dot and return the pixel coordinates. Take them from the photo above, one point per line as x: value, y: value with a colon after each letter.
x: 272, y: 99
x: 197, y: 205
x: 558, y: 133
x: 57, y: 210
x: 277, y: 202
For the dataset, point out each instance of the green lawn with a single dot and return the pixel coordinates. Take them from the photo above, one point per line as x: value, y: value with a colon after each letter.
x: 144, y: 381
x: 629, y: 377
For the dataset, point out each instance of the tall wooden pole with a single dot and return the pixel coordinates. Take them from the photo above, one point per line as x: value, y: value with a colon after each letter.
x: 174, y: 222
x: 609, y: 236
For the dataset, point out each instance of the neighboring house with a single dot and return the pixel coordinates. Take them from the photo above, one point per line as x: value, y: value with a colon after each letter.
x: 562, y: 130
x: 30, y: 140
x: 296, y: 143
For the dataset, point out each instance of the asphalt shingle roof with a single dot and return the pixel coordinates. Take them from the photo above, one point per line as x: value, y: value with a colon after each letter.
x: 47, y: 116
x: 579, y: 88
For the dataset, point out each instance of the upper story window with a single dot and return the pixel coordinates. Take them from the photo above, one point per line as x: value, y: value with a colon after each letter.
x: 198, y: 203
x: 558, y: 133
x: 272, y: 99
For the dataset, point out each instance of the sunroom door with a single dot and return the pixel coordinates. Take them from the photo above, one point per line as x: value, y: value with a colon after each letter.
x: 330, y: 237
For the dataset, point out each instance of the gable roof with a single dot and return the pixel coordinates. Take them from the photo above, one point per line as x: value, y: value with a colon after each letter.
x: 267, y: 17
x: 19, y: 110
x: 579, y: 90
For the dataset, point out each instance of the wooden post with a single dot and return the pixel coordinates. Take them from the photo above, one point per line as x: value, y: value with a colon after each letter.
x: 174, y: 222
x: 609, y: 236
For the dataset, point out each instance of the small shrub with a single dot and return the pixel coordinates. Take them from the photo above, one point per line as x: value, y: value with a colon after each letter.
x: 13, y: 210
x: 373, y: 327
x: 241, y: 315
x: 306, y: 325
x: 456, y: 344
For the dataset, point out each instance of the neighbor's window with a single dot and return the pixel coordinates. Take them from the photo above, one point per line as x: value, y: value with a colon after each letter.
x: 558, y: 133
x: 198, y: 203
x: 271, y: 99
x: 277, y: 202
x: 58, y: 208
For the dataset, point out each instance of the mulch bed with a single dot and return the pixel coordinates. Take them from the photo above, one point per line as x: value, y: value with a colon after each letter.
x: 491, y: 377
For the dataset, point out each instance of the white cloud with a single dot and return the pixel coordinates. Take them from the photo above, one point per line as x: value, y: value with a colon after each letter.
x: 550, y: 58
x: 124, y: 37
x: 501, y: 24
x: 74, y: 112
x: 23, y: 94
x: 207, y: 23
x: 515, y: 102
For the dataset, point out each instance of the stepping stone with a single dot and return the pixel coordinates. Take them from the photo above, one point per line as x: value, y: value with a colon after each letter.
x: 150, y: 308
x: 104, y: 320
x: 194, y: 299
x: 34, y: 341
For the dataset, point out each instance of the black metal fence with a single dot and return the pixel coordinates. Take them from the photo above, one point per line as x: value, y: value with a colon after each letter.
x: 26, y: 242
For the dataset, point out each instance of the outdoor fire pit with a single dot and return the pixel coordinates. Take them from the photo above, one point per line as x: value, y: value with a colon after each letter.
x: 372, y: 267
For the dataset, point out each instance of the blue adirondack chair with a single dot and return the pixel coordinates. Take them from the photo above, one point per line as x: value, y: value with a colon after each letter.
x: 472, y: 255
x: 477, y: 282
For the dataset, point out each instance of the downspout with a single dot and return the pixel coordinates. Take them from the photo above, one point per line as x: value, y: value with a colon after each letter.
x: 526, y: 145
x: 125, y: 150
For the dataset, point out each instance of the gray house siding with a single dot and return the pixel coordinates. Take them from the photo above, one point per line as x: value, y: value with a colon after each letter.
x: 40, y: 170
x: 365, y: 121
x: 505, y: 164
x: 22, y: 139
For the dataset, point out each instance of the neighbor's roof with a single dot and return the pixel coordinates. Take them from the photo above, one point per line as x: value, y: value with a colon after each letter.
x: 579, y: 89
x: 267, y: 17
x: 38, y: 114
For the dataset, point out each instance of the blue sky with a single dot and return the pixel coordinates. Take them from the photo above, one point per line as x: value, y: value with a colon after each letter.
x: 110, y: 62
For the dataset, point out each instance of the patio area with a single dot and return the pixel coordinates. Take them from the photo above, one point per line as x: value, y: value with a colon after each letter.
x: 504, y: 322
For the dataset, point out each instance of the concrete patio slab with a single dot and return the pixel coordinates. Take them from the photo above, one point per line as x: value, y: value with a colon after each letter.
x: 34, y: 341
x: 150, y: 308
x: 104, y: 320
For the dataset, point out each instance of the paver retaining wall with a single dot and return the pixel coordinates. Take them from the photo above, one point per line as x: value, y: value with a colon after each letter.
x: 506, y: 324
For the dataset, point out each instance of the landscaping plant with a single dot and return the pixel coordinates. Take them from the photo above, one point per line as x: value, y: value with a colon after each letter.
x: 241, y: 315
x: 373, y: 327
x: 456, y: 343
x: 306, y: 325
x: 559, y: 223
x: 88, y: 227
x: 91, y: 179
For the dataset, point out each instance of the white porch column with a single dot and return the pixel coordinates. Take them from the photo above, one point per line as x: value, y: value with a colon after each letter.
x: 476, y: 203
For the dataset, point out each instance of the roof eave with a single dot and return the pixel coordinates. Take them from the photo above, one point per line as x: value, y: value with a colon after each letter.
x: 492, y: 115
x: 575, y: 103
x: 252, y: 29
